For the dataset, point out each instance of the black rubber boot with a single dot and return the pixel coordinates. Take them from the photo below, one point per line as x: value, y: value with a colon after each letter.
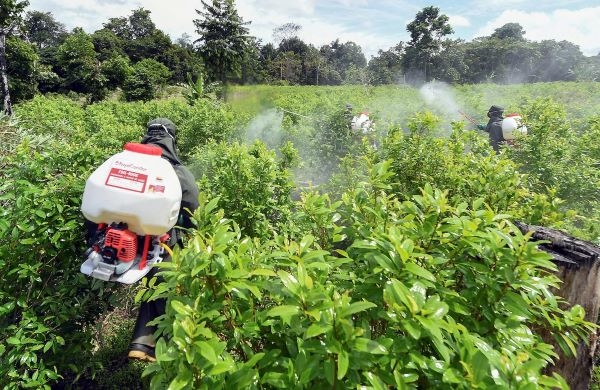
x: 143, y: 341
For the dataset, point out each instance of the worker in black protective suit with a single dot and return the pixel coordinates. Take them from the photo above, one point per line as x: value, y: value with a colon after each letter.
x: 494, y: 127
x: 162, y: 132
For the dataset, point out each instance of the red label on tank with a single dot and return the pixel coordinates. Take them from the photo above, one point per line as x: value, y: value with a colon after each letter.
x: 127, y: 180
x: 156, y: 188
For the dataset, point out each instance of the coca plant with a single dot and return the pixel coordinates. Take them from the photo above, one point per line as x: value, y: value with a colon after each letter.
x: 420, y: 293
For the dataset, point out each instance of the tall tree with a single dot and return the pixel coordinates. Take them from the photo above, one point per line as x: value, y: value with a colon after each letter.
x: 450, y: 65
x: 314, y: 63
x: 558, y: 61
x: 120, y: 27
x: 22, y: 68
x: 427, y: 31
x: 510, y: 31
x: 107, y: 44
x: 341, y: 56
x: 285, y: 33
x: 78, y: 65
x: 10, y: 17
x: 223, y: 38
x: 386, y: 67
x: 43, y: 31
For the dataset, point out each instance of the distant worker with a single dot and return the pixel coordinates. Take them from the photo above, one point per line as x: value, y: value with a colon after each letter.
x: 348, y: 115
x: 494, y: 127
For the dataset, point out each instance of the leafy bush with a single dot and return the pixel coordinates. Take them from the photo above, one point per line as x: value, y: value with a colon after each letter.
x: 464, y: 166
x: 116, y: 70
x: 109, y: 125
x: 406, y: 273
x: 252, y: 184
x: 45, y: 302
x: 556, y: 154
x: 417, y: 294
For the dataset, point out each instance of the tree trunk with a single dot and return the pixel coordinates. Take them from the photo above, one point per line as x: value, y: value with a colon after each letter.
x: 317, y: 74
x: 3, y: 73
x: 579, y: 268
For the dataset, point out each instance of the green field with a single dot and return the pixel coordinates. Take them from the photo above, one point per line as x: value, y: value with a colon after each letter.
x: 318, y: 260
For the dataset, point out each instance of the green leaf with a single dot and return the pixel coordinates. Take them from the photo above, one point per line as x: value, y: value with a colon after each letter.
x: 434, y: 308
x: 566, y: 344
x: 263, y: 272
x: 182, y: 380
x: 396, y: 292
x: 329, y: 371
x: 207, y: 351
x: 375, y: 381
x: 181, y: 308
x: 306, y: 242
x: 362, y: 344
x: 254, y: 359
x: 221, y: 367
x: 275, y: 379
x: 452, y: 375
x: 245, y: 286
x: 433, y: 328
x: 162, y: 352
x: 316, y: 329
x: 283, y: 311
x: 356, y: 307
x: 343, y: 362
x: 385, y: 262
x: 289, y: 281
x: 419, y: 271
x: 13, y: 341
x: 413, y: 329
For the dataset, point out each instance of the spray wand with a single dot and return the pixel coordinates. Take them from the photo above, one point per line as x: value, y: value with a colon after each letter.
x: 294, y: 113
x: 469, y: 118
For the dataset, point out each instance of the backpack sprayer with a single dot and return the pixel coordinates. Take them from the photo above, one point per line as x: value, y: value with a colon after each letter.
x: 362, y: 124
x: 134, y: 197
x: 513, y: 125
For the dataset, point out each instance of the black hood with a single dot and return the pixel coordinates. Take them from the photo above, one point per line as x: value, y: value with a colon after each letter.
x: 161, y: 132
x: 495, y: 112
x: 168, y: 146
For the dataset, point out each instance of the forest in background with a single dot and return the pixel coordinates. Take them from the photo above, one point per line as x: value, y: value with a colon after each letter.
x: 132, y: 56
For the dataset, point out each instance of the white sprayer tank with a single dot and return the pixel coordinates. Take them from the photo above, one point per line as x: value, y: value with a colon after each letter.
x: 136, y: 186
x: 361, y: 123
x: 513, y: 125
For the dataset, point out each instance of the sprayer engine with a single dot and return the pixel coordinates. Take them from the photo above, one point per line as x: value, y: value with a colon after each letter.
x: 120, y: 244
x: 118, y: 254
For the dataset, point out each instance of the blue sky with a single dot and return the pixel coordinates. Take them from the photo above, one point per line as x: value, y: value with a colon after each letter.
x: 371, y: 24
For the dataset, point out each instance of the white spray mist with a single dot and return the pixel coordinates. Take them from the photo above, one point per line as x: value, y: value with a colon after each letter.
x: 440, y: 97
x: 266, y: 126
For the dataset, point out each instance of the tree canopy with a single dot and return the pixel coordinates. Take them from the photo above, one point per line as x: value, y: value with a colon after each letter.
x: 224, y: 51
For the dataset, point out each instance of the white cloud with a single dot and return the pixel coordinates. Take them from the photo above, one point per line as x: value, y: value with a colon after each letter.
x: 580, y: 27
x: 458, y: 21
x: 317, y: 29
x: 504, y: 3
x: 88, y: 14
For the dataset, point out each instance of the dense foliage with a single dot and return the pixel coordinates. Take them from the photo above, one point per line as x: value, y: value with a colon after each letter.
x: 46, y: 305
x: 319, y: 259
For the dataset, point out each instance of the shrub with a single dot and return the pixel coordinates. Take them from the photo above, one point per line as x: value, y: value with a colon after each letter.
x: 253, y: 186
x: 418, y: 294
x: 45, y: 302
